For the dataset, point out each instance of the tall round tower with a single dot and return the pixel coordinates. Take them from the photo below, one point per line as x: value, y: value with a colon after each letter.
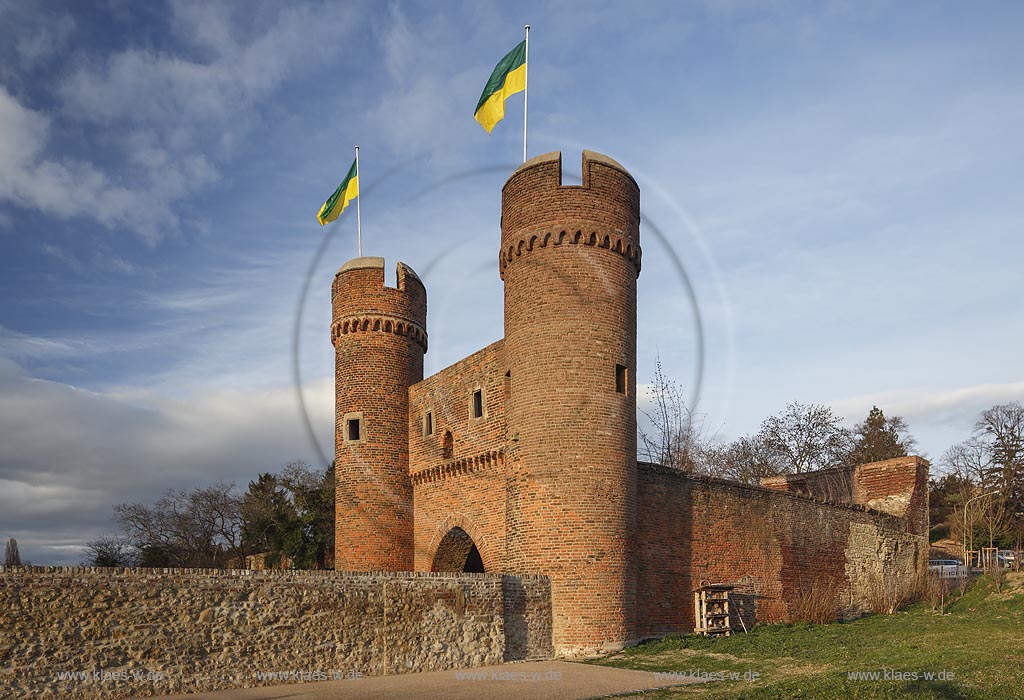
x: 570, y: 258
x: 379, y: 336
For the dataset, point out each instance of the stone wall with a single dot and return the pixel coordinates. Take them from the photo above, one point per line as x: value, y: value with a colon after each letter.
x: 135, y: 632
x: 776, y: 546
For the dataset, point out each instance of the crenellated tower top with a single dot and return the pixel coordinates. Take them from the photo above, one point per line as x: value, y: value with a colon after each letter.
x: 538, y: 210
x: 362, y: 303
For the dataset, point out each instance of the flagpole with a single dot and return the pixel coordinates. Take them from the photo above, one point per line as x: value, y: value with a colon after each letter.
x: 526, y: 88
x: 359, y: 217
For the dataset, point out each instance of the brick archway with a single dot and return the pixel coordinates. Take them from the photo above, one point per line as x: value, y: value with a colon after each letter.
x: 459, y: 546
x: 457, y: 552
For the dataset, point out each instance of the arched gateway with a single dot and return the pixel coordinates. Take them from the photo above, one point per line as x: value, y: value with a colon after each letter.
x: 457, y: 552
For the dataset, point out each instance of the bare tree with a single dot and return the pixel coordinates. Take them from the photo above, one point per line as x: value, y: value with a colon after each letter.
x: 186, y: 528
x: 12, y: 557
x: 992, y: 459
x: 1000, y: 430
x: 677, y: 438
x: 110, y: 552
x: 747, y: 459
x: 805, y: 438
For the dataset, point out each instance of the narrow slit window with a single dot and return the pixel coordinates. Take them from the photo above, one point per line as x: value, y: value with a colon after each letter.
x: 354, y: 430
x: 621, y: 379
x: 478, y: 403
x: 428, y: 424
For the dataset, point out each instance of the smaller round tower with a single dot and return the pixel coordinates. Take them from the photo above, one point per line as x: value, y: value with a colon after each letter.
x: 379, y: 336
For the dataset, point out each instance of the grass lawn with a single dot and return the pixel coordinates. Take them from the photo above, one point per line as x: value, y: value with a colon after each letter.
x: 976, y: 650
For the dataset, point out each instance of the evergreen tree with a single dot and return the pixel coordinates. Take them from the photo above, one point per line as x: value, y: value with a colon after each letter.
x: 268, y: 518
x: 11, y: 556
x: 879, y: 438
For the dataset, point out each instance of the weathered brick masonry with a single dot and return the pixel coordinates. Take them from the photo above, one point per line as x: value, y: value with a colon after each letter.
x: 196, y: 629
x: 379, y: 335
x: 522, y: 456
x: 772, y: 545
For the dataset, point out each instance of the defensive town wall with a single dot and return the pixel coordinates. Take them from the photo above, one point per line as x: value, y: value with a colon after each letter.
x: 81, y: 632
x: 774, y: 545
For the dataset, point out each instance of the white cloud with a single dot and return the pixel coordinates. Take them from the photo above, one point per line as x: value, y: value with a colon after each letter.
x: 69, y: 455
x: 172, y: 118
x: 957, y: 408
x: 66, y: 188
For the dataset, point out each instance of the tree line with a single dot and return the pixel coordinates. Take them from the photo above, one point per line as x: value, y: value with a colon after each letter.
x: 287, y: 517
x: 976, y: 493
x: 980, y: 498
x: 801, y: 438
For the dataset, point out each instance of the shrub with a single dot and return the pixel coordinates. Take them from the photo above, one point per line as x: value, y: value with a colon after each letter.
x: 885, y: 593
x: 814, y: 603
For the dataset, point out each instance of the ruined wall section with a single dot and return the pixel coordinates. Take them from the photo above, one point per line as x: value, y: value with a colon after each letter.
x: 775, y: 546
x: 896, y: 486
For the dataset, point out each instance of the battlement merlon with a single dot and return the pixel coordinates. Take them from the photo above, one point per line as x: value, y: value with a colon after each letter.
x: 361, y: 301
x: 537, y: 210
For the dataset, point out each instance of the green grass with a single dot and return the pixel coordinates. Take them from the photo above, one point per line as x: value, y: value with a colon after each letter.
x: 979, y: 644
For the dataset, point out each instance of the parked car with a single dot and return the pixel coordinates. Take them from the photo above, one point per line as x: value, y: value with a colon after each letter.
x: 1006, y: 557
x: 947, y: 568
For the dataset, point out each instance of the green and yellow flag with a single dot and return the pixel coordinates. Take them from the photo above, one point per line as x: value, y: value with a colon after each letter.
x: 508, y: 78
x: 346, y: 192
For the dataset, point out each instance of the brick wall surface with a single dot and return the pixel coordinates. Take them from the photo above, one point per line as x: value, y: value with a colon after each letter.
x: 136, y: 632
x: 896, y: 486
x: 773, y: 545
x: 447, y: 395
x: 379, y: 335
x: 570, y: 257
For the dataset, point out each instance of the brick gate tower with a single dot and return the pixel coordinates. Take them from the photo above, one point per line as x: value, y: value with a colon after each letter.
x: 570, y: 258
x: 520, y: 458
x: 379, y: 336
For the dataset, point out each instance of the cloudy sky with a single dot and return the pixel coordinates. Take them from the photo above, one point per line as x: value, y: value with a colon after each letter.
x: 832, y: 198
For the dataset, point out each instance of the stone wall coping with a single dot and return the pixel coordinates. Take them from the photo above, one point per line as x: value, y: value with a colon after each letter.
x: 363, y: 263
x: 588, y: 156
x: 270, y: 574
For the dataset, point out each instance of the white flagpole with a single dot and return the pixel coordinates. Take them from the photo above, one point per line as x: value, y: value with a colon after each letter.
x: 359, y: 217
x: 526, y: 89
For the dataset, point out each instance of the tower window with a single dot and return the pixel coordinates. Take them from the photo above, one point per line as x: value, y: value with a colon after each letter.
x: 428, y: 423
x: 621, y: 379
x: 353, y: 427
x: 448, y: 445
x: 478, y: 404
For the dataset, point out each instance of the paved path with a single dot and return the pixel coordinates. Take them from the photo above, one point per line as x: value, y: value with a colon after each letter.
x: 540, y: 680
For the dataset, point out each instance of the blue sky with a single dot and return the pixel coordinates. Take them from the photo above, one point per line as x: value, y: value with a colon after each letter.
x: 841, y: 183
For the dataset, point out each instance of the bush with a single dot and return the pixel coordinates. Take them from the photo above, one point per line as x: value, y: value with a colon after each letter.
x: 815, y: 603
x: 885, y: 593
